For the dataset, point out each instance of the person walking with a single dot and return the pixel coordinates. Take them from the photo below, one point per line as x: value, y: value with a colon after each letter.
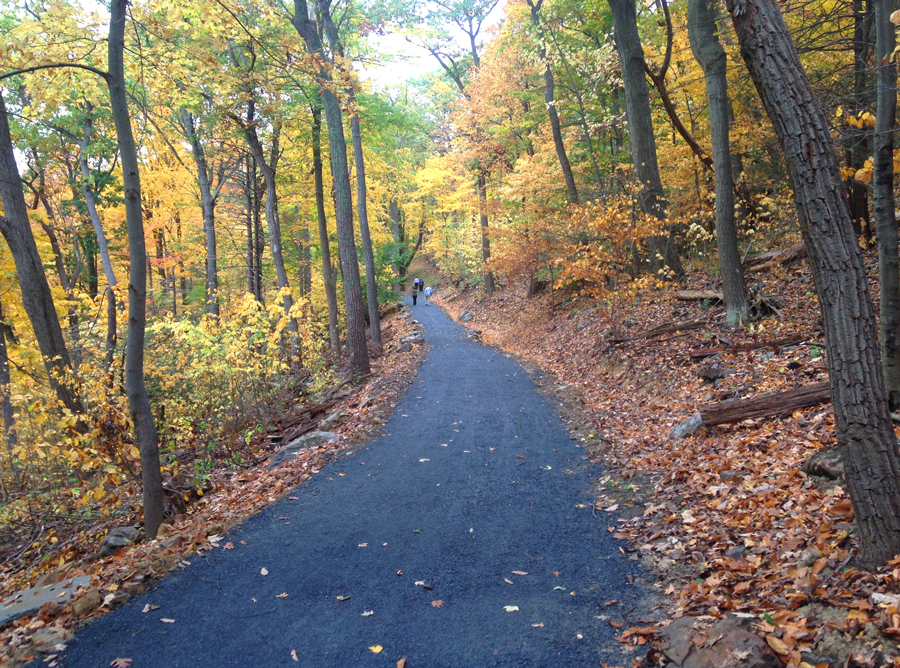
x: 428, y: 292
x: 415, y: 290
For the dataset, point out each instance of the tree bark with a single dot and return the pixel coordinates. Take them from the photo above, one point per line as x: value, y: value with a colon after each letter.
x: 87, y: 190
x: 485, y: 239
x: 549, y: 98
x: 858, y: 143
x: 324, y: 242
x: 208, y: 205
x: 37, y: 299
x: 711, y: 56
x: 9, y: 423
x: 765, y: 405
x: 356, y: 325
x: 863, y: 426
x: 650, y: 195
x: 885, y: 221
x: 138, y: 402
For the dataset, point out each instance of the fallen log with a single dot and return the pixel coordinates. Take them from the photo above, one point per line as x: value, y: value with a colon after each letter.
x: 666, y: 328
x: 699, y: 295
x: 770, y: 259
x: 703, y: 353
x: 765, y: 405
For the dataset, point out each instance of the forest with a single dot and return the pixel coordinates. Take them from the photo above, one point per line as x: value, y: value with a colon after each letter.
x: 209, y: 208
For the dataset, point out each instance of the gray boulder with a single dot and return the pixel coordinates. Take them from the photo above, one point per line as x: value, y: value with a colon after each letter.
x: 117, y: 538
x: 687, y: 427
x: 465, y: 316
x: 332, y: 420
x: 405, y: 348
x: 29, y: 601
x: 825, y: 463
x: 729, y: 643
x: 314, y: 439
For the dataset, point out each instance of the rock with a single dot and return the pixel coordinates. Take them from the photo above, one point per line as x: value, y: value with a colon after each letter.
x: 46, y: 639
x: 687, y: 427
x: 416, y: 338
x: 729, y: 643
x: 665, y: 564
x: 86, y: 604
x: 164, y: 530
x: 49, y: 611
x: 736, y: 552
x: 714, y: 372
x: 133, y: 588
x: 172, y: 541
x: 29, y: 601
x: 314, y: 439
x: 809, y: 556
x: 825, y: 463
x: 50, y: 578
x: 333, y: 420
x: 729, y: 476
x: 405, y: 348
x: 793, y: 365
x: 118, y: 538
x: 465, y: 316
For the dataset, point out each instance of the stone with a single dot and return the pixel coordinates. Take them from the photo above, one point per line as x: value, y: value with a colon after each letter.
x: 405, y: 348
x: 687, y: 427
x: 809, y: 556
x: 729, y: 643
x: 465, y: 316
x: 714, y: 372
x: 825, y: 463
x: 729, y: 476
x: 164, y: 530
x: 736, y: 552
x: 289, y: 452
x: 133, y: 588
x: 86, y: 604
x: 416, y: 338
x: 172, y: 541
x: 118, y: 538
x: 793, y: 365
x: 46, y: 639
x: 333, y: 420
x: 29, y: 601
x: 665, y: 564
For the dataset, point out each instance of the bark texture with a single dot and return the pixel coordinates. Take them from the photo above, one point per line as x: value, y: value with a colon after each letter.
x: 485, y: 239
x: 138, y: 402
x: 37, y: 299
x: 88, y: 192
x: 356, y: 325
x: 711, y: 56
x: 864, y: 431
x: 6, y: 407
x: 650, y: 195
x: 324, y: 242
x: 208, y: 205
x: 883, y: 187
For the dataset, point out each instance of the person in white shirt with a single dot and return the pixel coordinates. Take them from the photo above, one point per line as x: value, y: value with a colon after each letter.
x: 428, y: 292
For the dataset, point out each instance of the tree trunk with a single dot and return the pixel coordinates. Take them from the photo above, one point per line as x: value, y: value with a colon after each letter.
x: 549, y: 98
x: 397, y: 232
x: 37, y: 299
x: 765, y: 405
x: 208, y: 204
x: 863, y: 426
x: 885, y: 222
x: 249, y: 184
x: 485, y: 239
x: 711, y: 56
x: 650, y: 196
x: 112, y: 336
x: 87, y: 190
x: 363, y: 213
x: 356, y: 324
x: 324, y: 242
x: 9, y: 423
x: 859, y: 144
x: 274, y: 228
x: 138, y: 402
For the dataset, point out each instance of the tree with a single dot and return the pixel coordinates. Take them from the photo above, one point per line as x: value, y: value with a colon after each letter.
x: 885, y: 220
x: 305, y: 25
x: 711, y: 56
x: 138, y: 402
x: 37, y: 299
x: 863, y: 426
x: 650, y: 195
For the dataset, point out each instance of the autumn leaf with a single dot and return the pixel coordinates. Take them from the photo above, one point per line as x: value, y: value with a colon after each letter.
x: 520, y: 572
x: 511, y: 608
x: 437, y: 604
x: 538, y: 625
x: 294, y: 656
x: 402, y: 663
x: 368, y: 613
x: 376, y: 649
x: 166, y: 620
x: 263, y: 571
x: 283, y: 595
x: 778, y: 644
x: 120, y: 663
x: 148, y: 607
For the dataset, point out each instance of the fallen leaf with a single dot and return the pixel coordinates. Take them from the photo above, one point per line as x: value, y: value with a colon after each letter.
x: 437, y: 604
x: 294, y: 655
x: 342, y: 598
x: 263, y: 571
x: 284, y: 595
x: 402, y: 663
x: 363, y: 545
x: 556, y: 574
x: 511, y: 608
x: 120, y: 663
x: 520, y: 572
x: 778, y: 644
x: 228, y: 546
x: 539, y: 625
x: 424, y: 460
x: 614, y: 624
x: 243, y: 542
x: 368, y: 613
x: 376, y: 649
x: 148, y: 608
x: 166, y: 620
x: 611, y: 508
x: 508, y: 581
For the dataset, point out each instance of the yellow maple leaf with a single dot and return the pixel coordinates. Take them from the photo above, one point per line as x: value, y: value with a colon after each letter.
x: 376, y: 649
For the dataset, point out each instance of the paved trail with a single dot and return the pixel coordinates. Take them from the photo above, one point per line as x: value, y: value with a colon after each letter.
x: 474, y: 478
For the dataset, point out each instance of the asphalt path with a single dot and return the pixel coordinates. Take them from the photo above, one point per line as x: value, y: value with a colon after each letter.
x: 462, y: 537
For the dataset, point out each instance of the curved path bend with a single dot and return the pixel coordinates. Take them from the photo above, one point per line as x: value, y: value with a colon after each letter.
x: 473, y: 479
